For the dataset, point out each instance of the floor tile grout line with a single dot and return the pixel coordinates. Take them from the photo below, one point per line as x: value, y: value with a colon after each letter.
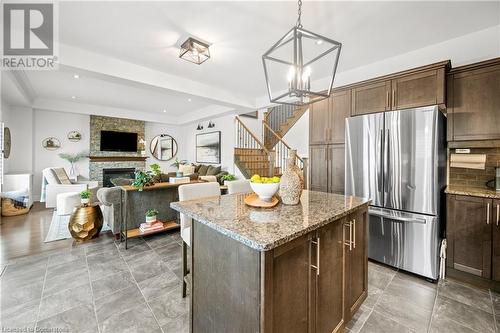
x: 138, y: 287
x: 41, y: 295
x: 91, y: 292
x: 433, y: 307
x: 378, y: 299
x: 497, y: 329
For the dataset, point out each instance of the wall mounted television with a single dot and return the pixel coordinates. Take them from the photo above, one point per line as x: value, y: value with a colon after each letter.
x: 118, y: 141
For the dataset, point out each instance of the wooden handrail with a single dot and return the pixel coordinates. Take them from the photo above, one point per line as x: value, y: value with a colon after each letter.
x: 252, y: 135
x: 279, y: 138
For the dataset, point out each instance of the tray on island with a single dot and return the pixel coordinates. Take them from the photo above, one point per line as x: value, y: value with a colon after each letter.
x: 253, y: 200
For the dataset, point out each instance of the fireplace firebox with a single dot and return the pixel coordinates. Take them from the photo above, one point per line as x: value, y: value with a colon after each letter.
x: 108, y: 174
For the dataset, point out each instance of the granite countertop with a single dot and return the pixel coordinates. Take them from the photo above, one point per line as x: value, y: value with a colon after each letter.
x: 264, y: 229
x: 473, y: 191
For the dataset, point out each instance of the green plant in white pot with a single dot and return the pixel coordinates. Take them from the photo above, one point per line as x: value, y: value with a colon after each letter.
x: 228, y: 178
x: 85, y: 197
x: 151, y: 216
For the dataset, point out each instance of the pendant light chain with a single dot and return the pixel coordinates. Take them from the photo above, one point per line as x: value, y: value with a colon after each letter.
x: 299, y: 24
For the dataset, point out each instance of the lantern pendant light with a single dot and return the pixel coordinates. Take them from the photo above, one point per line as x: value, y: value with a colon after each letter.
x: 300, y: 67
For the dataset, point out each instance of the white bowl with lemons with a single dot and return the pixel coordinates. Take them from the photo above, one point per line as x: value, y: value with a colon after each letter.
x: 265, y: 187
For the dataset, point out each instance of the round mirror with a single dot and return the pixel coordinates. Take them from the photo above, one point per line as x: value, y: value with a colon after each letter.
x: 163, y: 147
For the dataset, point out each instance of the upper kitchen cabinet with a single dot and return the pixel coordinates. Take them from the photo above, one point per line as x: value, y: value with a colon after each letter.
x: 413, y: 88
x: 474, y: 101
x: 327, y: 118
x: 371, y: 98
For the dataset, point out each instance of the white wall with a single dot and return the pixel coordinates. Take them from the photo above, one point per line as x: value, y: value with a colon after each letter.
x: 19, y: 120
x: 298, y: 136
x: 58, y: 124
x: 153, y: 129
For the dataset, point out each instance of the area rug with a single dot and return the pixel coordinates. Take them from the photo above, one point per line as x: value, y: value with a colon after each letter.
x: 59, y: 228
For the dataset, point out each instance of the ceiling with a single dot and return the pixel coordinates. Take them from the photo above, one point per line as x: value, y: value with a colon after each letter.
x: 146, y: 36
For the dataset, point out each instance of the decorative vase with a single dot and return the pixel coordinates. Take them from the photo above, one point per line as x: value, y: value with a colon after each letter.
x: 179, y: 174
x: 72, y: 172
x: 85, y: 202
x: 292, y: 181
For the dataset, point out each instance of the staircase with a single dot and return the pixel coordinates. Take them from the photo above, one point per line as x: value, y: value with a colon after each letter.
x: 280, y: 119
x: 252, y: 157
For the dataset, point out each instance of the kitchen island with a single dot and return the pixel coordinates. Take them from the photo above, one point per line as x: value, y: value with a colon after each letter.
x: 301, y: 268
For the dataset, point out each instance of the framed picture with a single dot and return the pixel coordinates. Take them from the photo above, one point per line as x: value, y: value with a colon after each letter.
x: 208, y: 147
x: 51, y: 143
x: 74, y: 136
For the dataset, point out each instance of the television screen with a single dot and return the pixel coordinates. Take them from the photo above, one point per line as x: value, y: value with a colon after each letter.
x: 118, y: 141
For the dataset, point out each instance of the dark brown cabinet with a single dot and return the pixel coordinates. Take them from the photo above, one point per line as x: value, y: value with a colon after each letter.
x: 474, y: 102
x: 327, y: 168
x: 356, y: 262
x: 417, y: 87
x: 329, y: 280
x: 371, y: 98
x: 469, y: 234
x: 496, y: 241
x: 327, y: 118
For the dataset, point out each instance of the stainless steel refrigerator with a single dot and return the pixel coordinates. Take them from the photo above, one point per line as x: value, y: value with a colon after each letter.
x: 398, y: 160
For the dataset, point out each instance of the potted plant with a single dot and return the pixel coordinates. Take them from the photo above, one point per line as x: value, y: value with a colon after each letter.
x: 85, y: 198
x: 176, y: 164
x: 72, y: 159
x: 156, y: 170
x: 141, y: 179
x: 228, y: 178
x: 151, y: 216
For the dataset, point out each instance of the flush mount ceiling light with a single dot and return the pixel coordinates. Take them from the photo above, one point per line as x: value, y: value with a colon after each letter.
x: 194, y: 51
x: 300, y: 68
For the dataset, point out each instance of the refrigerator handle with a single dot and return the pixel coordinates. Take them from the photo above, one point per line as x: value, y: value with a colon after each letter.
x: 387, y: 161
x: 380, y: 144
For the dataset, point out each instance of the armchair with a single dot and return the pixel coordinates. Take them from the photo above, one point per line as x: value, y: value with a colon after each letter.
x: 52, y: 185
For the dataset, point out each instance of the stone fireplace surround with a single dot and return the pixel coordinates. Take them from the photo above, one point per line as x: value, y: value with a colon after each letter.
x: 100, y: 160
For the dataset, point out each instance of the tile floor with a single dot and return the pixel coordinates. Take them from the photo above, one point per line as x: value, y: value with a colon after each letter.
x: 100, y: 287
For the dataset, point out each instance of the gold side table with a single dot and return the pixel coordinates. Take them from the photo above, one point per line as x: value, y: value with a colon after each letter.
x: 85, y: 222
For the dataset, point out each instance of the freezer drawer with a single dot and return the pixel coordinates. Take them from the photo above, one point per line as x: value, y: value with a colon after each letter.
x: 404, y: 240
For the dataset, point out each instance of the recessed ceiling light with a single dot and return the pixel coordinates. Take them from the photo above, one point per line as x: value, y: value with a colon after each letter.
x: 76, y: 76
x: 189, y: 99
x: 73, y: 97
x: 164, y: 110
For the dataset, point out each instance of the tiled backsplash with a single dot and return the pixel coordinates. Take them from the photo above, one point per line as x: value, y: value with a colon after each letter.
x: 473, y: 177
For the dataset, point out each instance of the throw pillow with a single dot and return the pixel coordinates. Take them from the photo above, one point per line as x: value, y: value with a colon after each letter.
x: 196, y: 167
x: 61, y: 175
x: 186, y: 169
x: 213, y: 171
x: 202, y: 171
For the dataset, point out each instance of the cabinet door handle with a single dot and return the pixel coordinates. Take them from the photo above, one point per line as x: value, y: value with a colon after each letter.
x: 498, y: 213
x: 348, y: 242
x: 317, y: 256
x: 354, y: 234
x: 488, y: 213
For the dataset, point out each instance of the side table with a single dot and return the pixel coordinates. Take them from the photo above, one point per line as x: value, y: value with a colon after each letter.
x: 85, y: 222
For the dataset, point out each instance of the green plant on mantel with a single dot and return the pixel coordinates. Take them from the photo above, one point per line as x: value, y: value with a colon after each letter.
x: 142, y: 179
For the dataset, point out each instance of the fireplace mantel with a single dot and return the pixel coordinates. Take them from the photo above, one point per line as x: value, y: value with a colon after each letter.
x: 117, y: 158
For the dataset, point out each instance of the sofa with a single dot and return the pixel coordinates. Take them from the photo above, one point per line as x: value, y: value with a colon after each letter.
x: 209, y: 170
x: 55, y: 181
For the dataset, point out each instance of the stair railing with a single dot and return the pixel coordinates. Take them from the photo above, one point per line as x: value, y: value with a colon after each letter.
x: 277, y: 115
x: 282, y: 152
x: 245, y: 138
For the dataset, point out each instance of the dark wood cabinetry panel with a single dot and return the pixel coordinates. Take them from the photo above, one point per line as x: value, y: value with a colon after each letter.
x: 356, y: 262
x: 419, y: 89
x: 330, y: 280
x: 318, y: 168
x: 469, y: 226
x: 474, y: 102
x: 340, y: 110
x: 336, y: 168
x: 496, y: 241
x: 291, y: 286
x: 371, y: 98
x: 319, y: 122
